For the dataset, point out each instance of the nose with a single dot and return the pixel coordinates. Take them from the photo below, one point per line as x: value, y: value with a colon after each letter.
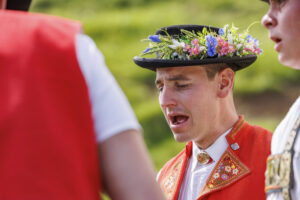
x: 166, y: 98
x: 269, y: 20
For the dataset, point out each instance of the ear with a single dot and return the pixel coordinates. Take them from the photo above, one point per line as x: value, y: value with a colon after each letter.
x: 2, y: 4
x: 225, y: 82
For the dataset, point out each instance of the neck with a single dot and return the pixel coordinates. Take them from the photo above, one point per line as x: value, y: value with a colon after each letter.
x: 224, y: 120
x: 2, y: 4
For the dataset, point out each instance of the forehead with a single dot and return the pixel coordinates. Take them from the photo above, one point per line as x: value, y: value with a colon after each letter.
x: 184, y: 72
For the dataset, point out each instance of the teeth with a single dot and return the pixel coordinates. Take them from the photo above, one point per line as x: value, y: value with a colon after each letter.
x: 181, y: 119
x: 178, y: 119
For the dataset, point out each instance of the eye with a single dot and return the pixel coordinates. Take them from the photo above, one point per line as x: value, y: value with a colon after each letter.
x: 279, y: 2
x: 159, y: 88
x: 181, y: 86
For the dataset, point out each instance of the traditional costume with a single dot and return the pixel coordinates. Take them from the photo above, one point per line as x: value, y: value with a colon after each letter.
x: 283, y: 166
x: 238, y: 174
x: 233, y: 166
x: 58, y: 100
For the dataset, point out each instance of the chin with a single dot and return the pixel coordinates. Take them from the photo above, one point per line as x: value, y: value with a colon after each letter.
x: 181, y: 137
x: 289, y: 62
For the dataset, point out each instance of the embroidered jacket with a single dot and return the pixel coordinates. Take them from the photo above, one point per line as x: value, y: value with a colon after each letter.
x: 244, y: 180
x: 47, y: 140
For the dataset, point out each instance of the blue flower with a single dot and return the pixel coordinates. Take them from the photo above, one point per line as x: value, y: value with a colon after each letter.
x: 154, y: 38
x: 256, y: 42
x: 146, y: 50
x: 211, y: 44
x: 221, y: 32
x: 248, y: 38
x: 224, y: 176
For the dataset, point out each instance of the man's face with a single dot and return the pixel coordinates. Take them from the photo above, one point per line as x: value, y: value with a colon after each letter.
x: 188, y: 100
x: 283, y: 22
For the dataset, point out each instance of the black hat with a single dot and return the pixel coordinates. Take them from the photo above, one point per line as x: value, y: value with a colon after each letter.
x: 22, y: 5
x: 235, y: 62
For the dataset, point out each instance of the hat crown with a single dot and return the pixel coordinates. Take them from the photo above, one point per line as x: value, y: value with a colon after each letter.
x: 188, y: 45
x: 176, y: 29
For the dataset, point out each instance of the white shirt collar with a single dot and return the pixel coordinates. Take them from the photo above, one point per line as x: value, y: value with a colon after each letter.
x: 215, y: 151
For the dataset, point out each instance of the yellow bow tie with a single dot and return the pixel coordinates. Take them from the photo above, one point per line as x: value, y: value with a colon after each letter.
x: 203, y: 158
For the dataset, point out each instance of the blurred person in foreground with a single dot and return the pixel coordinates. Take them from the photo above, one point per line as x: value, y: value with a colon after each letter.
x: 66, y: 127
x: 225, y: 156
x: 283, y: 171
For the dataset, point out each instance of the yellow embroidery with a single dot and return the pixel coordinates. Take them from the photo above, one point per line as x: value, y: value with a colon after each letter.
x: 227, y: 170
x: 169, y: 182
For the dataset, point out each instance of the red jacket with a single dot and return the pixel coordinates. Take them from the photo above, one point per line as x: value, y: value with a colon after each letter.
x: 47, y: 140
x: 245, y: 181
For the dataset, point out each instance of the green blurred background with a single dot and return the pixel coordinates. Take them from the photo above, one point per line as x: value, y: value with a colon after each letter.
x: 263, y: 92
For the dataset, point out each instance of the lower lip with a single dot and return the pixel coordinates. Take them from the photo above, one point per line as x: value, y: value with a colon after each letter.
x: 178, y: 127
x: 278, y: 46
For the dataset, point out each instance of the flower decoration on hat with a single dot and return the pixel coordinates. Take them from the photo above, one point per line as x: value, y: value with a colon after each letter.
x: 191, y: 45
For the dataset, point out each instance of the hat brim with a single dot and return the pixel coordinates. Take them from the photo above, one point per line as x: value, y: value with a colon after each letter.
x: 235, y: 63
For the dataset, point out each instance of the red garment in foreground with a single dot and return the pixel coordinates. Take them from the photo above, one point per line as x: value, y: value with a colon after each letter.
x: 47, y: 140
x: 243, y: 179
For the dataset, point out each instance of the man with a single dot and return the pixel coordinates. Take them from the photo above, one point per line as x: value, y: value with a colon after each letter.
x: 283, y: 174
x: 224, y: 155
x: 62, y: 113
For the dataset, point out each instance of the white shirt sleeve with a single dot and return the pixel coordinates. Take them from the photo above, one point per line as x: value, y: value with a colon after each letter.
x: 279, y: 139
x: 111, y: 110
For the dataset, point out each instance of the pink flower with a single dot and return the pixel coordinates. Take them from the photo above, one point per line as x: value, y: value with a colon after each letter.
x: 195, y: 42
x: 195, y: 50
x: 220, y: 41
x: 231, y: 49
x: 187, y: 47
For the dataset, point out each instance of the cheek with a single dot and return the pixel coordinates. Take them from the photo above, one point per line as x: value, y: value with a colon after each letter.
x: 290, y: 30
x: 291, y: 21
x: 294, y: 29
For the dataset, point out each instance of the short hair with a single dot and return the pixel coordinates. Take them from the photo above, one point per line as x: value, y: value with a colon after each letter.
x: 22, y: 5
x: 213, y: 69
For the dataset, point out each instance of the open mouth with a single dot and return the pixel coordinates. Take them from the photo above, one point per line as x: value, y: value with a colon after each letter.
x: 178, y: 119
x: 276, y: 40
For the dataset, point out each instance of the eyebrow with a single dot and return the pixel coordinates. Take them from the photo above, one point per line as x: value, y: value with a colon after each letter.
x: 173, y: 78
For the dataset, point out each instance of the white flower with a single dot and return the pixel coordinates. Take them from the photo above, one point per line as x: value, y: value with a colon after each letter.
x: 202, y: 48
x: 235, y: 171
x: 239, y: 46
x: 216, y: 175
x: 176, y: 44
x: 227, y: 168
x: 174, y: 54
x: 226, y: 26
x: 230, y: 39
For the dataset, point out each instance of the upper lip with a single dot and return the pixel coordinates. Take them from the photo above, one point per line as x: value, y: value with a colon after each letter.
x: 275, y: 38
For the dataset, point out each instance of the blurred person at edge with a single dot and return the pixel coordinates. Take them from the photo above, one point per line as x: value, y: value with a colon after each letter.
x: 224, y: 157
x: 66, y: 127
x: 283, y: 174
